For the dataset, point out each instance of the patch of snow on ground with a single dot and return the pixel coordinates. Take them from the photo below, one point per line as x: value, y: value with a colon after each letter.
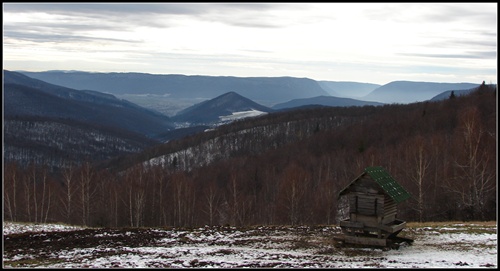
x: 264, y: 247
x: 11, y: 227
x: 242, y: 115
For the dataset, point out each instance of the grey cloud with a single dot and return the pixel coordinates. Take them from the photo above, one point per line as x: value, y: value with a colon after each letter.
x: 460, y: 11
x: 477, y: 13
x: 78, y: 20
x: 467, y: 55
x: 252, y: 23
x: 108, y: 16
x: 63, y: 27
x: 486, y: 55
x: 95, y: 8
x: 57, y: 38
x: 81, y: 18
x: 461, y: 43
x: 244, y: 15
x: 135, y: 8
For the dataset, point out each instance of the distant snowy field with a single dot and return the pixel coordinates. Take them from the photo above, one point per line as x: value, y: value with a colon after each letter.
x: 242, y: 115
x: 449, y: 245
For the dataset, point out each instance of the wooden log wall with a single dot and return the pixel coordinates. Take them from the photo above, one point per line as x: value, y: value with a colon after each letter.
x: 390, y: 210
x: 367, y: 204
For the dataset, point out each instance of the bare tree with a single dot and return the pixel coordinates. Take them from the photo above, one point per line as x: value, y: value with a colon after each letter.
x: 212, y: 199
x: 159, y: 177
x: 184, y: 199
x: 87, y: 191
x: 475, y: 181
x: 46, y: 198
x: 234, y: 199
x: 293, y: 190
x: 418, y: 164
x: 32, y: 182
x: 37, y: 194
x: 327, y: 192
x: 69, y: 190
x: 11, y: 180
x: 136, y: 186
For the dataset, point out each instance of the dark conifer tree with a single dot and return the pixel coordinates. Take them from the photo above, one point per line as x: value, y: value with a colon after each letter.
x: 452, y: 95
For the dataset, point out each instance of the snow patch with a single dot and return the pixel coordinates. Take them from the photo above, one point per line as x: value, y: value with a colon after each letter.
x: 265, y: 247
x: 241, y: 115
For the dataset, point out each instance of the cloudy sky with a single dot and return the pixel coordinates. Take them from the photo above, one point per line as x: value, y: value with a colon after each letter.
x: 362, y: 42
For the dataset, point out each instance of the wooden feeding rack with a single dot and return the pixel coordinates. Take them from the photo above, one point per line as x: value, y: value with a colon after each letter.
x: 373, y: 199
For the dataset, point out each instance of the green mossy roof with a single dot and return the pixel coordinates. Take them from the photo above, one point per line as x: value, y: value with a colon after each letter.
x: 388, y: 184
x: 392, y: 188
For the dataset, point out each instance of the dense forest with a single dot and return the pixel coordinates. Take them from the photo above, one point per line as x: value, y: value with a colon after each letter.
x: 56, y: 142
x: 282, y: 168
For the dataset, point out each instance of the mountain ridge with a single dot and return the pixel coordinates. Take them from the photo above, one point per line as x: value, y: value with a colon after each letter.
x: 211, y: 111
x: 264, y: 90
x: 25, y: 96
x: 348, y: 89
x: 268, y: 91
x: 324, y: 101
x: 412, y: 91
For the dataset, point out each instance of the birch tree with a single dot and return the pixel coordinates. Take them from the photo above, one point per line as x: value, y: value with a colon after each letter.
x: 87, y: 190
x: 212, y: 200
x: 11, y: 180
x: 68, y: 194
x: 475, y: 180
x: 418, y: 164
x: 136, y: 186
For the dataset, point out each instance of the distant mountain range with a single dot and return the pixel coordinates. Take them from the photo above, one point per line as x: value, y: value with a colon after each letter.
x: 410, y: 92
x: 223, y: 98
x: 25, y: 96
x: 263, y: 90
x: 347, y: 89
x: 267, y: 91
x: 324, y: 101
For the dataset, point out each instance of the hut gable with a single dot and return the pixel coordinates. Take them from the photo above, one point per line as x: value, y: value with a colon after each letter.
x: 376, y: 180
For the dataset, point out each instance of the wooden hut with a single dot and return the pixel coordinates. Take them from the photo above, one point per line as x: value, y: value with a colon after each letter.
x: 373, y: 198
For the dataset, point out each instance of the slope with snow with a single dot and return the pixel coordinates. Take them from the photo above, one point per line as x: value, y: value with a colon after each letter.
x: 241, y: 115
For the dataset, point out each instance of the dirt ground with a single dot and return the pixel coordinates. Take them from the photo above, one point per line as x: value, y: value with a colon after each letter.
x: 230, y: 247
x: 48, y: 242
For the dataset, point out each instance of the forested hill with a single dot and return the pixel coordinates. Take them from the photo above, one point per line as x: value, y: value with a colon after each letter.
x: 51, y: 125
x: 213, y: 110
x: 323, y: 101
x: 284, y: 168
x: 25, y: 96
x: 350, y: 128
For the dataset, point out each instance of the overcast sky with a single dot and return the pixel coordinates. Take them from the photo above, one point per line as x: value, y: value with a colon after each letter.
x: 362, y: 42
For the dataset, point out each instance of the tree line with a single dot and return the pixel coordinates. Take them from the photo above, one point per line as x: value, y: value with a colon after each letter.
x: 442, y: 153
